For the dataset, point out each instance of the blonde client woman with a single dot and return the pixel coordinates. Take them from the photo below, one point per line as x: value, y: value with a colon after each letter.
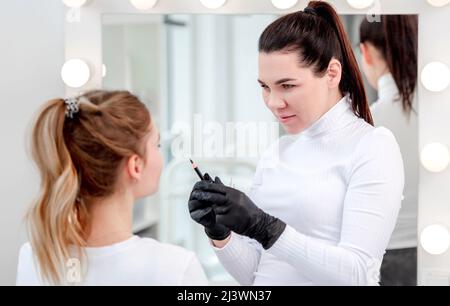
x: 96, y: 155
x: 325, y: 198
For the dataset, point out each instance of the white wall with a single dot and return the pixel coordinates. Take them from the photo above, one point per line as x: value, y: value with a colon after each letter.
x: 31, y: 55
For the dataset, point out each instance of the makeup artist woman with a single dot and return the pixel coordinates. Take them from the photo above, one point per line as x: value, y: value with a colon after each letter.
x: 325, y: 198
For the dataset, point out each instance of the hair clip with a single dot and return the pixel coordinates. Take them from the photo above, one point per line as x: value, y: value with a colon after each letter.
x: 72, y: 106
x: 311, y: 11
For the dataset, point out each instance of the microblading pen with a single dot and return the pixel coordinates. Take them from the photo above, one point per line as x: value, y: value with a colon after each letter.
x: 194, y: 165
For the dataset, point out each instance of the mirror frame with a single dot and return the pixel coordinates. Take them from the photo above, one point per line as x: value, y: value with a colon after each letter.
x: 83, y: 39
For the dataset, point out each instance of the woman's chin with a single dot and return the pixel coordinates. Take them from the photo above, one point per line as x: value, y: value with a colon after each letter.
x: 292, y: 129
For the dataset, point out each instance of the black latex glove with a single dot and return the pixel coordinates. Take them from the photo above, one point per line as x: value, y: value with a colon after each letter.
x: 202, y: 212
x: 237, y: 212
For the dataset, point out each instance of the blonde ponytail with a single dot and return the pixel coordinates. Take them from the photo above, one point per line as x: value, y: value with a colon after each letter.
x: 54, y: 220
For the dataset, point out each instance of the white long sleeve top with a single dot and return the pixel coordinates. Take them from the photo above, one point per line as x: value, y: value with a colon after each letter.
x: 338, y: 186
x: 134, y: 262
x: 387, y: 111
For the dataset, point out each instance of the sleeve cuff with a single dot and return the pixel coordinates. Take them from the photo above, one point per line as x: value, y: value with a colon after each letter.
x: 232, y: 250
x: 217, y: 249
x: 289, y: 244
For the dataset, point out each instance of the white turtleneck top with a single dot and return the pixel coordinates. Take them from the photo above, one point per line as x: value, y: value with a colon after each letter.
x: 338, y: 186
x: 388, y: 111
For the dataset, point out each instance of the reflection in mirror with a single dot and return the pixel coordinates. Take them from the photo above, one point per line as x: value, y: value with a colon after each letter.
x: 389, y: 62
x: 188, y: 68
x: 131, y: 53
x: 198, y: 72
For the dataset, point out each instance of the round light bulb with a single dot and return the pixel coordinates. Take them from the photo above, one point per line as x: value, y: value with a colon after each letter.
x: 435, y: 239
x: 438, y: 3
x: 435, y: 157
x: 284, y: 4
x: 360, y: 4
x: 143, y: 5
x: 435, y: 76
x: 74, y: 3
x: 213, y: 4
x: 75, y: 73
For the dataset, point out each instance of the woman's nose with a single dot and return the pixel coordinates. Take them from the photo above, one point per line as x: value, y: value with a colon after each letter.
x: 275, y: 102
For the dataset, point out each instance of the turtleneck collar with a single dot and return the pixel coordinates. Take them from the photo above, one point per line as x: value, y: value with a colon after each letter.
x: 340, y: 115
x: 387, y: 89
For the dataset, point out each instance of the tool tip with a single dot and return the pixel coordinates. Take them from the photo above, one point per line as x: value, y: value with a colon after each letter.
x: 191, y: 161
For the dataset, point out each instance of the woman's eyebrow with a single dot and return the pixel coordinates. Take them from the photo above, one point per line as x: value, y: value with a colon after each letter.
x: 284, y: 80
x: 280, y: 81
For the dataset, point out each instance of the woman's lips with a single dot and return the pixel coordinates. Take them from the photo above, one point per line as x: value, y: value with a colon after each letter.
x: 285, y: 119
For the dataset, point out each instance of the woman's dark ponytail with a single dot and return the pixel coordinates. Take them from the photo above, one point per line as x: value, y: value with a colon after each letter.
x: 318, y: 35
x: 352, y: 81
x: 396, y: 38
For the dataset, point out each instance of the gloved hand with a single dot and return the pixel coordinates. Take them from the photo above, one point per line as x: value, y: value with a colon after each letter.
x: 202, y: 212
x: 237, y: 212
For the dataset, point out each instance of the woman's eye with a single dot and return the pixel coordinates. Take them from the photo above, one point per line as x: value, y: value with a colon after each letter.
x: 288, y: 86
x: 264, y: 86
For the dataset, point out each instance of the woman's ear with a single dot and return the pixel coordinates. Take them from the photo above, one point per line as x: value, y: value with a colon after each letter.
x: 135, y: 166
x: 366, y: 55
x: 334, y: 73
